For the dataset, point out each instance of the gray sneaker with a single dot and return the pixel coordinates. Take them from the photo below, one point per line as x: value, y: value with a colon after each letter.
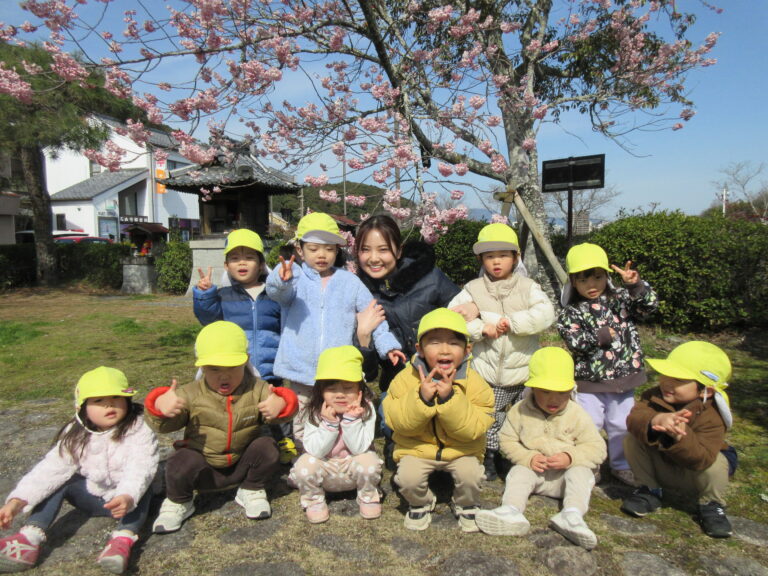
x: 502, y: 521
x: 571, y: 525
x: 172, y: 516
x: 255, y: 503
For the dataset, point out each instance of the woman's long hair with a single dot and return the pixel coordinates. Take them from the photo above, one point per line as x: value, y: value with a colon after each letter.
x: 75, y: 434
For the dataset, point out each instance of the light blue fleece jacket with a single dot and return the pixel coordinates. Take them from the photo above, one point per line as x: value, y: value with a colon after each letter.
x: 315, y: 318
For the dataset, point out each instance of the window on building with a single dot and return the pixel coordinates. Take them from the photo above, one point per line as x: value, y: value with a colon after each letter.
x: 61, y: 221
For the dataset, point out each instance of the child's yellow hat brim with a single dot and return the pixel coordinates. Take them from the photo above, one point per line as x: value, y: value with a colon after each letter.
x: 319, y: 228
x: 496, y: 236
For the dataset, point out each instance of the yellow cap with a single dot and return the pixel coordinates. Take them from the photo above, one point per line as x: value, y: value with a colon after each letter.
x: 442, y: 318
x: 319, y: 228
x: 221, y: 344
x: 243, y: 237
x: 102, y: 381
x: 551, y: 368
x: 340, y: 363
x: 700, y: 361
x: 586, y: 256
x: 496, y: 236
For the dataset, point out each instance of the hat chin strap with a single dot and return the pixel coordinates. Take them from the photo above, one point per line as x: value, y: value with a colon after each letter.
x: 94, y: 432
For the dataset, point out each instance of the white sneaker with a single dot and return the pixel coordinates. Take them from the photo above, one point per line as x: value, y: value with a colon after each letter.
x: 466, y: 517
x: 419, y: 517
x: 502, y: 521
x: 255, y: 503
x: 572, y: 526
x: 172, y: 516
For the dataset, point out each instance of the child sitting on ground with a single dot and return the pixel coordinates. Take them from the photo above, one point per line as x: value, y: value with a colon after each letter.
x: 221, y: 414
x: 338, y: 437
x: 246, y: 303
x: 103, y: 463
x: 677, y: 435
x: 320, y: 306
x: 555, y: 448
x: 439, y: 410
x: 513, y: 311
x: 598, y: 324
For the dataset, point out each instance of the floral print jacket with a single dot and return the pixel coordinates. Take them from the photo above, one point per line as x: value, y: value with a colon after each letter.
x: 606, y: 361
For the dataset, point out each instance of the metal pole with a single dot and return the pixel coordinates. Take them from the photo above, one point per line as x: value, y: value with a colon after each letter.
x: 569, y: 236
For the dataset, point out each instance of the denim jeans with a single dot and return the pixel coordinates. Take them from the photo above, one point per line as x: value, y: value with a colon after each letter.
x: 75, y: 492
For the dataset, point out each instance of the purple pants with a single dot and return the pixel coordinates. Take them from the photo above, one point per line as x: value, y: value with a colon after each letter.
x: 609, y: 411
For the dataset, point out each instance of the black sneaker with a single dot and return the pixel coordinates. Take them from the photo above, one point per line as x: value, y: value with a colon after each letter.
x: 489, y: 463
x: 641, y: 502
x: 713, y: 520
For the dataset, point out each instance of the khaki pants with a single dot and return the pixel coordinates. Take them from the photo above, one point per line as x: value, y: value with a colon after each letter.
x: 651, y: 470
x: 573, y: 485
x: 316, y: 476
x: 413, y: 475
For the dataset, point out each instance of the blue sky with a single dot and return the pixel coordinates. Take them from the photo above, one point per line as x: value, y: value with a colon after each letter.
x: 674, y: 170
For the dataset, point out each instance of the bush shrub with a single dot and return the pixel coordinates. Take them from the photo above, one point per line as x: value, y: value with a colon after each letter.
x: 710, y: 273
x: 18, y: 263
x: 454, y: 254
x: 173, y: 263
x: 100, y: 265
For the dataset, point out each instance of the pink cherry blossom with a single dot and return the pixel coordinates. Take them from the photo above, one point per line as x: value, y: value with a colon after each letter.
x: 317, y: 181
x: 444, y: 169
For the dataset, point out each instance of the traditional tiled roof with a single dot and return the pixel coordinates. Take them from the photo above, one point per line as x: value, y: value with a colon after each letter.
x: 243, y: 170
x: 156, y: 137
x: 97, y: 184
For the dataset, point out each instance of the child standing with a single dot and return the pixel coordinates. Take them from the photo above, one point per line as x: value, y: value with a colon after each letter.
x: 597, y: 323
x: 513, y: 311
x: 246, y: 304
x: 439, y: 410
x: 221, y: 414
x: 320, y: 303
x: 555, y: 449
x: 102, y: 463
x: 338, y: 437
x: 677, y: 435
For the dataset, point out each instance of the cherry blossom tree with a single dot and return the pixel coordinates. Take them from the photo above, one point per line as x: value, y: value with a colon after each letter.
x: 420, y: 95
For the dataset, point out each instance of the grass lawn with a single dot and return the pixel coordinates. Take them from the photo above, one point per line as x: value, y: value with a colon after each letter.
x: 49, y: 338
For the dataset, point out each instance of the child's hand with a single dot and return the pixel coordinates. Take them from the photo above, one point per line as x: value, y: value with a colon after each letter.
x: 559, y: 461
x: 272, y: 406
x: 119, y: 505
x: 628, y: 276
x: 428, y: 387
x: 468, y: 310
x: 368, y: 320
x: 672, y: 423
x: 205, y: 279
x: 170, y: 404
x: 355, y: 410
x: 539, y: 463
x: 445, y: 386
x: 328, y: 413
x: 490, y: 331
x: 10, y: 510
x: 503, y: 326
x: 286, y: 268
x: 396, y: 356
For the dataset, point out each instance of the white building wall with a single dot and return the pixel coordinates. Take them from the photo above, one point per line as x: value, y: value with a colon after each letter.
x: 66, y: 170
x: 79, y: 216
x: 174, y: 204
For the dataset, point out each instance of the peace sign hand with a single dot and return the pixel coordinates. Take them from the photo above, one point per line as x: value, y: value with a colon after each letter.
x: 428, y: 387
x: 286, y: 268
x: 628, y: 275
x: 205, y: 282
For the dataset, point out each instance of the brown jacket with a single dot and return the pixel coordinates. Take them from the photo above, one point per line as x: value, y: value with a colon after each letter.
x: 705, y: 433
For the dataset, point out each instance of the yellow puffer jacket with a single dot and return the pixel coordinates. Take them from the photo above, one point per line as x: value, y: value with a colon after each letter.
x: 445, y: 431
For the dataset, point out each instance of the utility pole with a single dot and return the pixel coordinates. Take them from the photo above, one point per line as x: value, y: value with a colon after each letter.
x: 725, y: 199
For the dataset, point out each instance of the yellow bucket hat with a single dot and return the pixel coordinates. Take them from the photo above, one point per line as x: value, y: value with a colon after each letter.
x: 551, y: 368
x: 496, y: 236
x: 340, y: 363
x: 221, y: 344
x: 319, y: 228
x: 700, y: 361
x: 243, y: 237
x: 102, y: 381
x: 442, y: 318
x: 585, y: 256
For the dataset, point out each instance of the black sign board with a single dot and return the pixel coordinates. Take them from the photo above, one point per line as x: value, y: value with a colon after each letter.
x: 575, y: 173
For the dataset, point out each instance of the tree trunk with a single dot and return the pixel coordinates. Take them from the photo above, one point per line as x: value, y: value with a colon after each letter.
x: 34, y: 181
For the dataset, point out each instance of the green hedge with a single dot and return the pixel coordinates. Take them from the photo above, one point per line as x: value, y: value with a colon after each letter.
x: 710, y: 273
x: 453, y: 251
x: 173, y: 263
x: 97, y: 264
x: 17, y: 261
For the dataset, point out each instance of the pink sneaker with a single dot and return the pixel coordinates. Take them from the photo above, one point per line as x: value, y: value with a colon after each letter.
x: 317, y: 513
x: 114, y: 557
x: 369, y: 510
x: 17, y: 553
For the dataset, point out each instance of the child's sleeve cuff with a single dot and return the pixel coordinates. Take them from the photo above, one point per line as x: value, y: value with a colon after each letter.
x: 291, y: 401
x: 149, y: 401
